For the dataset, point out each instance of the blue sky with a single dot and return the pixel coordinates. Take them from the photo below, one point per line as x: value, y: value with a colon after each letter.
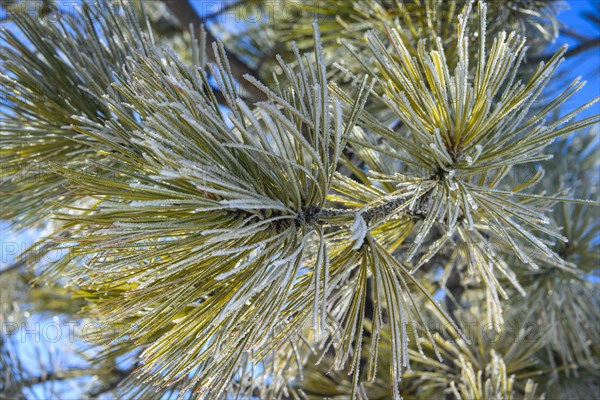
x: 587, y: 65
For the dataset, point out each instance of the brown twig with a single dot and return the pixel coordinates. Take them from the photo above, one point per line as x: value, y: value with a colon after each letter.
x: 13, y: 267
x: 580, y: 48
x: 573, y: 34
x: 186, y: 14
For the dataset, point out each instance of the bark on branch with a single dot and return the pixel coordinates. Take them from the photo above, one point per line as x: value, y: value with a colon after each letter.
x: 580, y: 48
x: 186, y: 14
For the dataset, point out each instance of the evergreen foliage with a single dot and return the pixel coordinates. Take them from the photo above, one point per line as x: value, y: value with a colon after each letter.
x: 298, y: 244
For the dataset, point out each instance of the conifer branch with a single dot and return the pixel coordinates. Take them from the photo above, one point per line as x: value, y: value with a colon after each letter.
x: 234, y: 251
